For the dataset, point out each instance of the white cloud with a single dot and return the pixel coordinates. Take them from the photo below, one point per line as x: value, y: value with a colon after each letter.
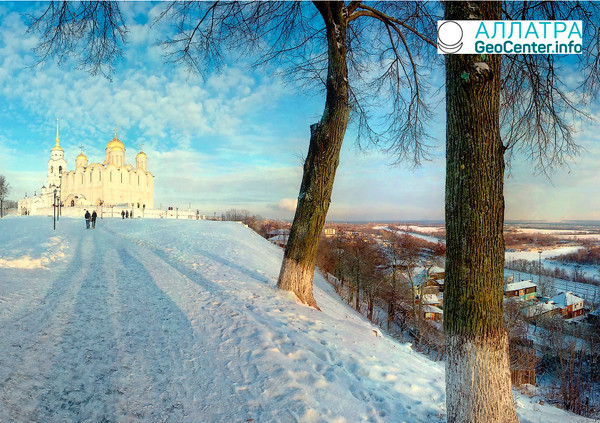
x: 287, y: 204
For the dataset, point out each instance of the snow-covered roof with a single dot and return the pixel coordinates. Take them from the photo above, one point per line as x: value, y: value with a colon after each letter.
x: 565, y: 299
x: 436, y: 269
x: 516, y: 286
x: 431, y: 309
x: 279, y: 238
x: 430, y: 299
x: 540, y: 308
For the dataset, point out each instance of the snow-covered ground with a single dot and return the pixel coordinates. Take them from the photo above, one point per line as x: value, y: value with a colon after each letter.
x: 165, y: 320
x: 547, y: 262
x: 410, y: 232
x: 571, y: 234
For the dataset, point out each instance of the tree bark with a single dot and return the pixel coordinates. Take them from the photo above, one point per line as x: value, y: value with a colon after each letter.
x: 326, y: 138
x: 478, y: 386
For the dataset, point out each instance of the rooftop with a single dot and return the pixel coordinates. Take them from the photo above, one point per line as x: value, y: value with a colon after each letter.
x: 565, y: 299
x: 516, y: 286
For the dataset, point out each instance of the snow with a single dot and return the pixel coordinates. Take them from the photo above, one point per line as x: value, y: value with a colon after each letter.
x: 167, y: 320
x: 565, y: 299
x: 515, y: 286
x: 586, y: 291
x: 550, y: 264
x: 573, y: 234
x: 428, y: 308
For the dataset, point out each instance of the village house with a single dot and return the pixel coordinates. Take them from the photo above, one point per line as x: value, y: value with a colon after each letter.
x: 279, y: 237
x: 525, y: 290
x: 431, y: 299
x: 570, y: 305
x: 541, y: 309
x: 431, y: 312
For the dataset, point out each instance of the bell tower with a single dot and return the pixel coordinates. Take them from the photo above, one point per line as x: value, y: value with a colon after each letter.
x: 57, y: 163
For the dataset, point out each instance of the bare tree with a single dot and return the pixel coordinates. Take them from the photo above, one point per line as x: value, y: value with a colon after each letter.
x: 507, y: 101
x: 4, y: 188
x: 335, y: 44
x: 407, y: 253
x: 358, y: 53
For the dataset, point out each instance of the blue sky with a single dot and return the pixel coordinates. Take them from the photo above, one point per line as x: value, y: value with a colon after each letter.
x: 235, y: 139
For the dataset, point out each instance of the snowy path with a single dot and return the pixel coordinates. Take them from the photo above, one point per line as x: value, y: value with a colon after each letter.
x: 106, y: 343
x: 180, y: 321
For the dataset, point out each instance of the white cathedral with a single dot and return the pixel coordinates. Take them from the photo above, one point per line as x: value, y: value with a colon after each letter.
x: 110, y: 183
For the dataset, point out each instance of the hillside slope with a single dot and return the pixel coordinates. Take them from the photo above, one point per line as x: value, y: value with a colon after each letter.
x: 154, y: 320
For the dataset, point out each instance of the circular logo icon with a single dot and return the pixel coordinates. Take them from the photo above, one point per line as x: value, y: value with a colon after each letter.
x: 450, y: 35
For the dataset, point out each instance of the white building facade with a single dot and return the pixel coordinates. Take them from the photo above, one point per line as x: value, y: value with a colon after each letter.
x: 112, y: 182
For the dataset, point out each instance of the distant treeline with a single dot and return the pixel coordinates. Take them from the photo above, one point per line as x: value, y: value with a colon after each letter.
x: 589, y: 255
x: 532, y: 267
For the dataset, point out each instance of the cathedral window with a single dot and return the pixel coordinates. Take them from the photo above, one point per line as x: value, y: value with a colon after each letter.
x: 82, y: 179
x: 99, y: 175
x: 110, y: 176
x: 138, y: 179
x: 90, y: 176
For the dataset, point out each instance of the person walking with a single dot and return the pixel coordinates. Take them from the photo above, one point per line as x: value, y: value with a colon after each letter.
x: 122, y: 214
x: 131, y: 214
x: 127, y: 214
x: 94, y: 216
x: 87, y: 219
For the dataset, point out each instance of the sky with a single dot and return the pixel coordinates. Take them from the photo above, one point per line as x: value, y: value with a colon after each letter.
x: 235, y: 138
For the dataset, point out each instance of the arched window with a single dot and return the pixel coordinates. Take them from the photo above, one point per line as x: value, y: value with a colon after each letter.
x: 72, y: 203
x: 82, y: 179
x: 90, y: 176
x: 110, y: 176
x: 138, y: 180
x: 99, y: 175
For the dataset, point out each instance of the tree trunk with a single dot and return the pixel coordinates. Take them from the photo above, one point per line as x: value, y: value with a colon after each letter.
x: 326, y: 138
x: 478, y: 386
x: 371, y: 300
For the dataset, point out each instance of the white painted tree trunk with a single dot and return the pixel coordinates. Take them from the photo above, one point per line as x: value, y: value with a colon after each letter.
x: 478, y: 371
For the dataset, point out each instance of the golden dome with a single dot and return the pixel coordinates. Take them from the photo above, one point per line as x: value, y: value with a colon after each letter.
x: 57, y: 147
x: 81, y: 156
x: 141, y: 154
x: 115, y: 144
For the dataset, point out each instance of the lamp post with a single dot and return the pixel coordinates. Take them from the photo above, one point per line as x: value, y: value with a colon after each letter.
x: 60, y: 192
x: 54, y: 208
x: 540, y: 268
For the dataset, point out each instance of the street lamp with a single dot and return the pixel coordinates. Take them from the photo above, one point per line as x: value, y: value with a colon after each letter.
x: 540, y: 268
x: 60, y: 192
x: 54, y: 208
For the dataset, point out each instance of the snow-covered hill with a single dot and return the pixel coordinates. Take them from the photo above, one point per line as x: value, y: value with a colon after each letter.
x: 154, y: 320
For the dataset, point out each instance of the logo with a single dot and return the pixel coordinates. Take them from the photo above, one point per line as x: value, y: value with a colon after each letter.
x: 450, y: 36
x: 509, y: 37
